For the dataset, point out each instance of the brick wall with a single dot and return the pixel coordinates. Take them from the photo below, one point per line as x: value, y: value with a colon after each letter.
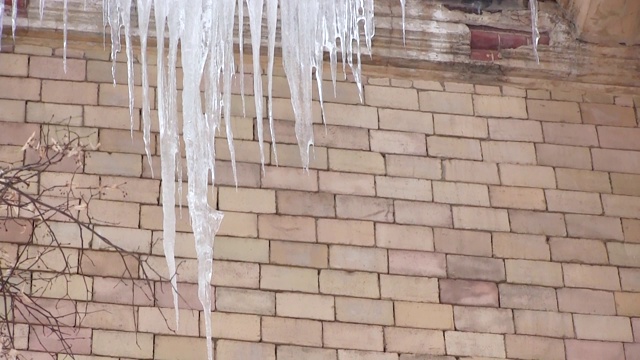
x: 439, y: 220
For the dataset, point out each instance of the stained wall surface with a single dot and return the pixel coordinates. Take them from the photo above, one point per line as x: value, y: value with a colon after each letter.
x: 439, y: 220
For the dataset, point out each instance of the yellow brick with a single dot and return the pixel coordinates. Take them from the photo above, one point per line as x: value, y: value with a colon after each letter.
x: 591, y: 276
x: 292, y: 331
x: 563, y: 156
x: 163, y: 321
x: 526, y: 175
x: 409, y: 288
x: 573, y: 202
x: 414, y: 167
x: 288, y: 278
x: 534, y: 272
x: 351, y: 115
x: 508, y: 152
x: 14, y: 65
x: 444, y: 102
x: 395, y: 142
x: 404, y: 237
x: 13, y: 110
x: 480, y: 218
x: 347, y: 183
x: 428, y: 316
x: 403, y: 188
x: 247, y: 200
x: 603, y: 328
x: 229, y: 350
x: 19, y: 88
x: 423, y: 213
x: 66, y: 92
x: 419, y: 341
x: 296, y: 254
x: 364, y: 208
x: 75, y: 287
x: 409, y: 121
x: 337, y: 282
x: 448, y: 147
x: 133, y: 345
x: 471, y: 171
x: 389, y: 97
x: 364, y: 311
x: 237, y: 326
x: 501, y: 107
x: 357, y: 258
x: 292, y: 228
x: 103, y: 163
x: 560, y: 111
x: 520, y: 246
x: 353, y: 336
x: 475, y: 344
x: 107, y: 316
x: 174, y: 347
x: 55, y: 68
x: 463, y: 126
x: 460, y: 193
x: 306, y: 306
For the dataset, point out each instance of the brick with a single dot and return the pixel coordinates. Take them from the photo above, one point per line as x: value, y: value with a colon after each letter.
x: 543, y: 323
x: 558, y: 111
x: 630, y: 279
x: 573, y: 201
x: 631, y: 230
x: 427, y: 316
x: 605, y: 328
x: 292, y: 331
x: 534, y: 272
x: 488, y: 90
x: 414, y: 341
x: 110, y: 117
x: 296, y: 352
x: 570, y: 134
x: 487, y: 320
x: 290, y: 179
x: 566, y: 95
x: 163, y: 321
x: 296, y: 254
x: 17, y: 133
x: 14, y: 65
x: 151, y: 218
x: 537, y: 223
x: 618, y: 138
x: 563, y: 156
x: 389, y: 97
x: 393, y: 142
x: 13, y: 110
x: 627, y: 304
x: 417, y: 263
x: 346, y: 183
x: 364, y: 311
x: 528, y: 297
x: 247, y: 200
x: 584, y: 301
x: 463, y: 126
x: 603, y: 114
x: 427, y: 85
x: 471, y: 171
x: 420, y: 213
x: 616, y: 160
x: 593, y: 350
x: 480, y: 218
x: 533, y: 347
x: 67, y: 92
x: 403, y: 188
x: 351, y: 115
x: 526, y: 175
x: 173, y: 347
x: 447, y: 147
x: 105, y: 212
x: 118, y: 95
x: 591, y: 276
x: 45, y: 113
x: 341, y: 137
x: 353, y: 336
x: 402, y: 120
x: 583, y: 180
x: 338, y: 282
x: 508, y: 152
x: 594, y: 227
x: 347, y: 232
x: 475, y: 344
x: 106, y: 316
x: 187, y: 298
x: 62, y: 339
x: 292, y: 228
x: 625, y: 184
x: 288, y: 279
x: 124, y: 141
x: 464, y: 292
x: 19, y: 89
x: 501, y: 107
x: 364, y: 208
x: 306, y: 306
x: 357, y: 258
x: 475, y: 268
x: 622, y: 254
x: 129, y: 240
x: 365, y: 355
x: 460, y: 193
x: 138, y: 345
x: 404, y: 237
x: 16, y: 231
x: 306, y: 204
x: 113, y: 164
x: 448, y: 103
x: 53, y: 68
x: 517, y: 198
x: 624, y: 206
x: 245, y: 301
x: 228, y: 350
x: 103, y: 263
x: 143, y: 191
x: 356, y: 161
x: 462, y: 242
x: 413, y: 166
x: 515, y: 130
x: 237, y: 326
x: 578, y: 250
x: 539, y: 94
x: 407, y: 288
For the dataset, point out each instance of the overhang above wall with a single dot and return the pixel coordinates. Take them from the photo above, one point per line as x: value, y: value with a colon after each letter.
x: 439, y: 38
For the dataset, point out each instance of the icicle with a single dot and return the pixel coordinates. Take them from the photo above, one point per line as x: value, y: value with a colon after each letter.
x: 144, y: 12
x: 272, y: 23
x: 255, y: 24
x: 65, y: 16
x: 41, y: 9
x: 125, y: 18
x: 404, y: 33
x: 535, y: 32
x: 241, y: 49
x: 14, y: 18
x: 1, y: 20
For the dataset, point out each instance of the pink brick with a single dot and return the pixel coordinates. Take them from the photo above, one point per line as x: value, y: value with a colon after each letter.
x: 409, y: 121
x: 417, y: 263
x: 403, y: 188
x: 578, y: 250
x: 421, y: 213
x: 573, y: 202
x: 616, y: 160
x: 123, y: 291
x: 460, y: 193
x: 583, y: 180
x: 456, y: 148
x: 449, y: 103
x: 364, y: 311
x: 364, y: 208
x: 517, y: 198
x: 346, y: 183
x: 398, y: 142
x: 602, y: 114
x: 528, y: 297
x: 570, y: 134
x: 67, y: 92
x: 76, y: 341
x: 515, y: 130
x: 560, y: 111
x: 464, y: 292
x: 593, y: 350
x: 632, y: 351
x: 404, y: 237
x: 527, y: 175
x: 623, y: 206
x: 475, y: 344
x: 292, y: 228
x: 408, y: 288
x: 532, y: 272
x: 585, y: 301
x: 475, y: 268
x: 292, y: 331
x: 563, y: 156
x: 509, y: 152
x: 544, y: 323
x: 486, y: 320
x: 480, y: 218
x: 53, y: 68
x: 605, y: 328
x: 245, y: 301
x: 290, y: 179
x: 414, y: 340
x: 413, y: 166
x: 303, y: 203
x: 357, y: 258
x: 619, y: 138
x: 538, y: 223
x: 463, y: 242
x: 471, y: 171
x: 348, y: 232
x: 353, y: 336
x: 594, y: 227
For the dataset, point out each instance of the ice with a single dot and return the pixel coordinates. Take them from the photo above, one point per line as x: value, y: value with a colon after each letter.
x: 1, y: 20
x: 65, y: 17
x: 535, y: 32
x: 41, y: 9
x: 241, y: 50
x: 272, y: 23
x: 255, y: 25
x: 144, y: 13
x: 14, y: 18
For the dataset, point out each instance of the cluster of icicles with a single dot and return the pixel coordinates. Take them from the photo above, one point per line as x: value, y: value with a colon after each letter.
x: 203, y: 30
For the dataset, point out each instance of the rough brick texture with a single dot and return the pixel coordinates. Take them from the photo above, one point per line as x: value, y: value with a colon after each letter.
x: 439, y: 221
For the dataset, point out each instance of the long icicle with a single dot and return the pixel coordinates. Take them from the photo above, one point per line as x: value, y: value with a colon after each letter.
x: 144, y: 13
x: 272, y: 23
x: 255, y: 24
x: 1, y: 21
x: 535, y: 32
